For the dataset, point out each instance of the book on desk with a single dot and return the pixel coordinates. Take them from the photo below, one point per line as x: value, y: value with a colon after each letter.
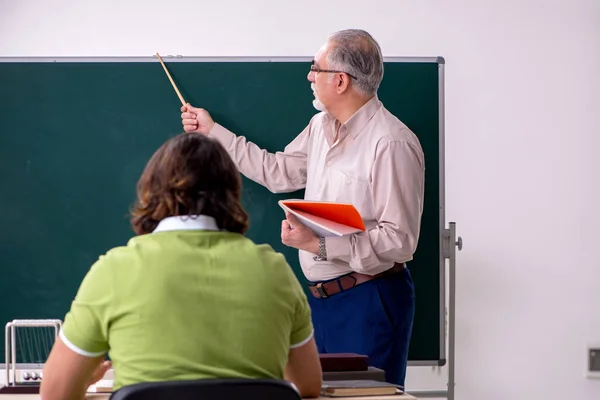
x: 358, y: 388
x: 346, y: 362
x: 102, y: 386
x: 325, y: 218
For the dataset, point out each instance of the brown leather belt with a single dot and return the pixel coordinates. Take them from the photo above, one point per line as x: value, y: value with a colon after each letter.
x: 326, y: 289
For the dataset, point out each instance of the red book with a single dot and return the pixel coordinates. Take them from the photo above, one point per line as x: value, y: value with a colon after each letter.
x: 325, y: 218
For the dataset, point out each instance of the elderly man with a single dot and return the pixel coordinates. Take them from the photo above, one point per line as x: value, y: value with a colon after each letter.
x: 353, y: 151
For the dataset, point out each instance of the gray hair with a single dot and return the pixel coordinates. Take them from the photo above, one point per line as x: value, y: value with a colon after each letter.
x: 355, y: 52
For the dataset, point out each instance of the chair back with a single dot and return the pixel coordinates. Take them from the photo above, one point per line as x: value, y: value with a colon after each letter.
x: 209, y: 389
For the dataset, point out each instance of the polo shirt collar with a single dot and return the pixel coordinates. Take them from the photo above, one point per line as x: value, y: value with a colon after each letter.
x: 186, y: 223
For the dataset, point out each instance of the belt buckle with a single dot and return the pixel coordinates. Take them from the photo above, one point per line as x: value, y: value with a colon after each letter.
x: 321, y: 290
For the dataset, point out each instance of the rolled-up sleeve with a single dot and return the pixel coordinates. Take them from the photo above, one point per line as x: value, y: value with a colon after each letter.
x: 397, y: 186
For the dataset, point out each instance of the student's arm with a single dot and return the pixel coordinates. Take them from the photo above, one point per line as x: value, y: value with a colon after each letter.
x: 304, y: 369
x: 67, y: 374
x: 75, y: 361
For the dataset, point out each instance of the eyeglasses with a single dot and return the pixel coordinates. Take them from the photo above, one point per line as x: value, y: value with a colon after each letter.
x: 313, y: 68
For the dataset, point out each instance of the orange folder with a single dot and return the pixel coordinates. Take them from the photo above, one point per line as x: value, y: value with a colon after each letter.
x: 326, y: 218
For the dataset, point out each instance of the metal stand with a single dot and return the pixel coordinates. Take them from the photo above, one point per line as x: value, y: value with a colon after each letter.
x: 449, y: 245
x: 10, y: 345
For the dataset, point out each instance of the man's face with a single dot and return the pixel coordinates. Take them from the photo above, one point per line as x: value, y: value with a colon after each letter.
x: 319, y: 82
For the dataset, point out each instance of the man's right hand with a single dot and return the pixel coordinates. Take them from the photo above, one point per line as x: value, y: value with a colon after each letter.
x: 196, y: 120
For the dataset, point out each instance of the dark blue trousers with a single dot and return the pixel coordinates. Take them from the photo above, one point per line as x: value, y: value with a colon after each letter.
x: 374, y: 318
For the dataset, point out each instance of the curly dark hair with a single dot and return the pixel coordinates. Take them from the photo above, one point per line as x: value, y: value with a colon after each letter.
x: 189, y: 174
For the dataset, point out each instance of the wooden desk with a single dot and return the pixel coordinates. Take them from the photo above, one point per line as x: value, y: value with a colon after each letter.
x: 105, y: 396
x: 108, y: 384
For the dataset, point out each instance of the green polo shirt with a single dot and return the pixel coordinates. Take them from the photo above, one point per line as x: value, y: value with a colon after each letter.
x: 189, y: 303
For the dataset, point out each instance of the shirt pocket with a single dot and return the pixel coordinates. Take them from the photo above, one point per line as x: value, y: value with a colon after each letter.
x: 349, y: 189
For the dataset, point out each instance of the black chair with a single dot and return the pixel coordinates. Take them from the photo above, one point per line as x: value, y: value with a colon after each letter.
x: 209, y: 389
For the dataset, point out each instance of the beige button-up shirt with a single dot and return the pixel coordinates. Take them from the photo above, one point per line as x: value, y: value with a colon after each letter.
x: 376, y: 164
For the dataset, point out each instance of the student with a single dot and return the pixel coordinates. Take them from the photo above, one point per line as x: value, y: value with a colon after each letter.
x: 190, y: 297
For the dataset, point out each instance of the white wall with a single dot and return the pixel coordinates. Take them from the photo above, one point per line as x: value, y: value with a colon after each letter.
x: 523, y: 97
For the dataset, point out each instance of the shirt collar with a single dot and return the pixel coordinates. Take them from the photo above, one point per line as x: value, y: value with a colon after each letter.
x: 355, y: 124
x: 186, y: 223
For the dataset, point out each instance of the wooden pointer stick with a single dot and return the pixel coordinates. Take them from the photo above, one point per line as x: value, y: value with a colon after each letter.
x: 171, y: 79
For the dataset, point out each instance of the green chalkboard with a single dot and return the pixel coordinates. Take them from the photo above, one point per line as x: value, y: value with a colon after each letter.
x: 76, y: 134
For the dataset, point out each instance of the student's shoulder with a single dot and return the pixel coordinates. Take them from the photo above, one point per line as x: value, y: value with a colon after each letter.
x: 267, y: 254
x: 120, y: 255
x: 270, y: 259
x: 241, y: 246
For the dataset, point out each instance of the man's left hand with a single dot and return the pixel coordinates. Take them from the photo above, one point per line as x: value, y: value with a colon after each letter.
x: 295, y: 234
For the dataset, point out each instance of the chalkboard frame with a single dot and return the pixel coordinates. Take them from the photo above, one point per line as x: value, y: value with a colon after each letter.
x: 441, y: 99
